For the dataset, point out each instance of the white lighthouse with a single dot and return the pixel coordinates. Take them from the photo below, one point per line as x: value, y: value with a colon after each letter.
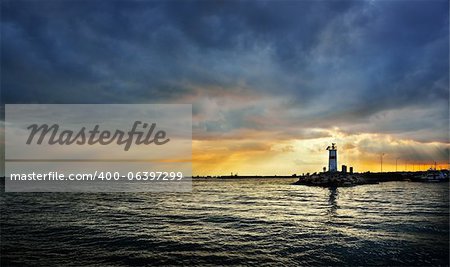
x: 332, y: 157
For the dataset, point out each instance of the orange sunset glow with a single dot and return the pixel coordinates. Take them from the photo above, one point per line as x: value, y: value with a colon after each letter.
x: 287, y: 157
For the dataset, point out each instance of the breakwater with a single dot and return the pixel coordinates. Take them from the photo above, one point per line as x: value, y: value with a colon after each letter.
x: 330, y: 179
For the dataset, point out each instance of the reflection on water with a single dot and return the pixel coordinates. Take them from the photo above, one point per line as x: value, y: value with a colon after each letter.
x: 252, y: 222
x: 332, y: 200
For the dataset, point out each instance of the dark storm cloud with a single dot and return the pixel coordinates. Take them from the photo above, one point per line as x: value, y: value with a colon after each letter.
x: 333, y: 63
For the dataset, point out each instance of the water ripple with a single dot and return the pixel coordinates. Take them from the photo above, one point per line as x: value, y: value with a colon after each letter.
x: 230, y: 222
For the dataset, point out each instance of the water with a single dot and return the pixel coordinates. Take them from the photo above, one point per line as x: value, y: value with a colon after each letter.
x: 230, y: 222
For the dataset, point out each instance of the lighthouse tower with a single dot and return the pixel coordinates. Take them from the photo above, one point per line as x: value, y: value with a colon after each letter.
x: 332, y: 157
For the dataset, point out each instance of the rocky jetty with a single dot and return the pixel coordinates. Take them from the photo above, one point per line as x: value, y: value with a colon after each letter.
x: 338, y: 179
x: 334, y: 179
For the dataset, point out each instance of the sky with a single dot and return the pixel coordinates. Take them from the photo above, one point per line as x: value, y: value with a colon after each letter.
x: 272, y: 83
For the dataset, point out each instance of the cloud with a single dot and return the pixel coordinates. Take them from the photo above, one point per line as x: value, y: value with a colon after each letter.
x: 293, y: 69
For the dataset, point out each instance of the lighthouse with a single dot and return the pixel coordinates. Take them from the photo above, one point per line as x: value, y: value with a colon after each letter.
x: 332, y: 157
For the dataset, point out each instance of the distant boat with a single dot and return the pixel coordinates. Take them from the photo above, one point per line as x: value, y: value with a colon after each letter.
x: 433, y: 175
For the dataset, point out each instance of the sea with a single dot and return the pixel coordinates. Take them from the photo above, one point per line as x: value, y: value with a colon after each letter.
x: 257, y: 222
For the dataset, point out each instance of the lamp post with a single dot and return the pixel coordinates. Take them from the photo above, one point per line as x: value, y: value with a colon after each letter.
x: 381, y: 161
